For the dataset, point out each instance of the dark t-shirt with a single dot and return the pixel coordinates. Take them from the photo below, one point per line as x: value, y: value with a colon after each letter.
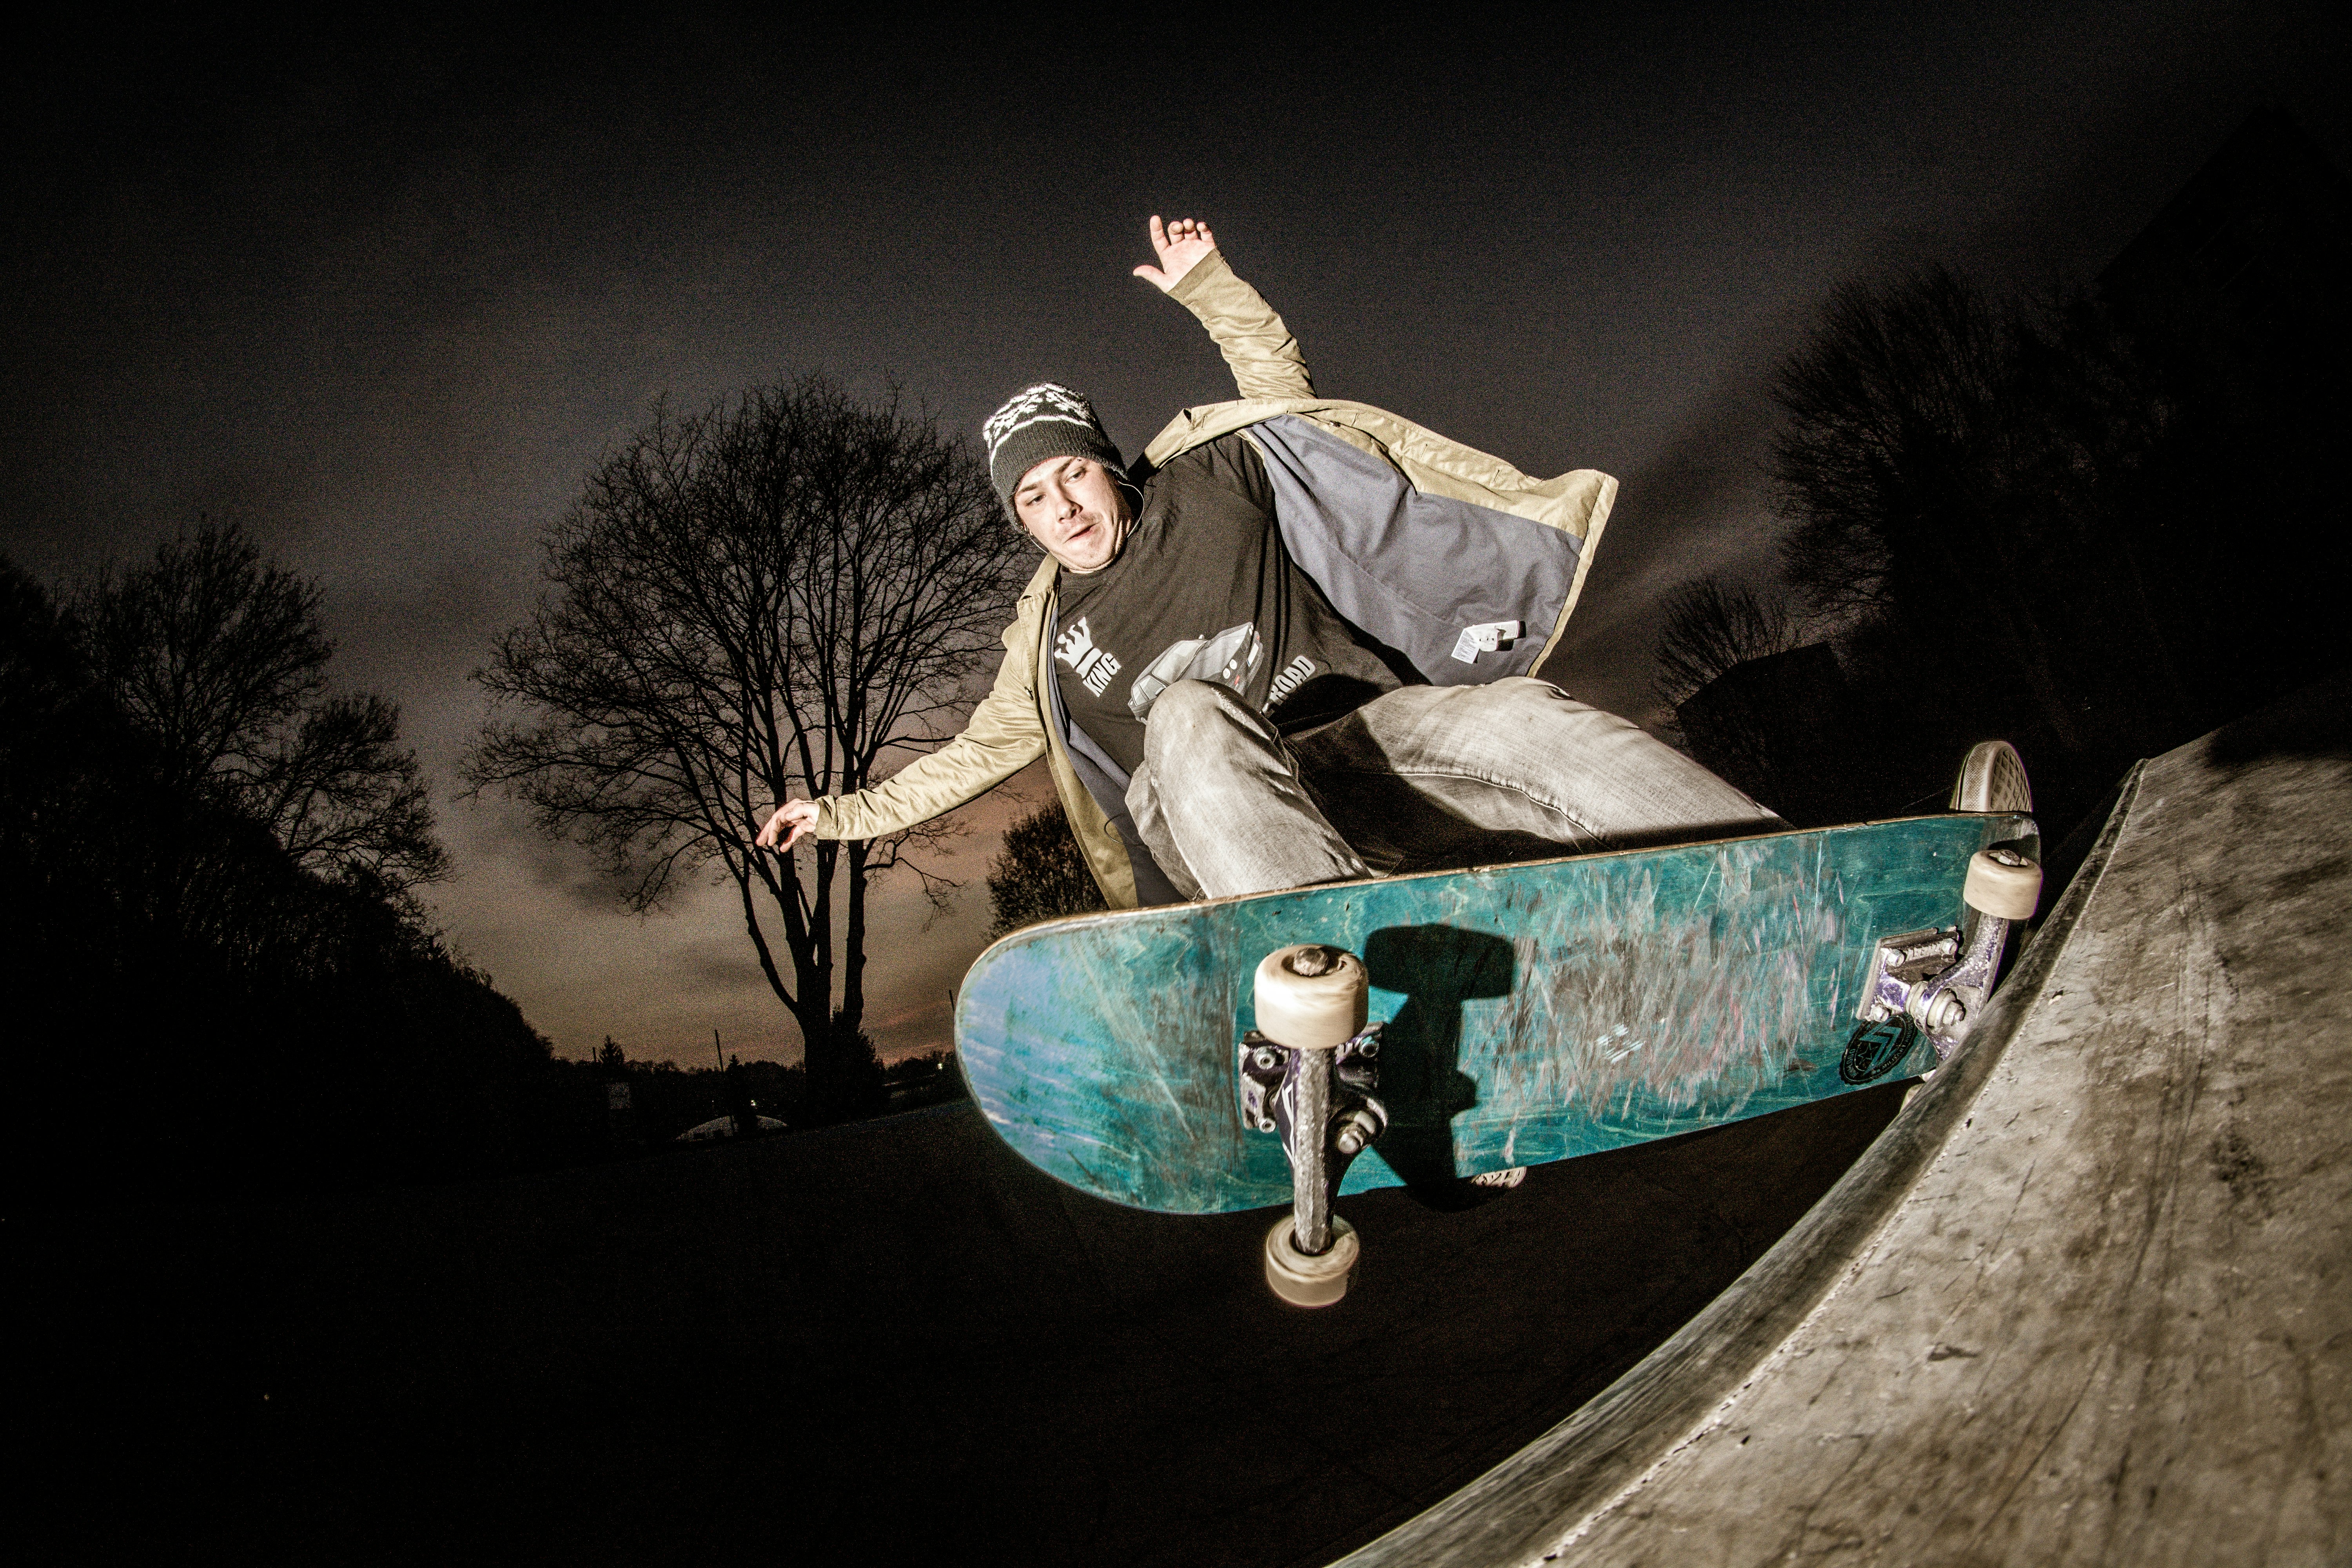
x: 1203, y: 590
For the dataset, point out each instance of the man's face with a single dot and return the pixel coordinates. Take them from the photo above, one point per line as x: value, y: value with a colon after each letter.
x: 1074, y: 508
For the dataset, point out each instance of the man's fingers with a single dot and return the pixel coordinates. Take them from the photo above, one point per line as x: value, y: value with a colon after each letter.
x: 773, y: 834
x: 1179, y: 243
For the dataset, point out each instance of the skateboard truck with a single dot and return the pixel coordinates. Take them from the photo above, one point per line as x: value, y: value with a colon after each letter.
x: 1309, y: 1071
x: 1936, y: 982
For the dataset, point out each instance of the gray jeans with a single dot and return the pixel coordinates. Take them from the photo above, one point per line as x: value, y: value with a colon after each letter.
x: 1420, y: 778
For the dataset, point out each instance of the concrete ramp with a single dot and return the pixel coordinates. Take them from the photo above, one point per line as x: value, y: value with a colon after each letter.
x: 2089, y: 1298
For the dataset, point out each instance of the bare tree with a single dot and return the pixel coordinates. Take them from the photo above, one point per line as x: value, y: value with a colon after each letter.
x: 786, y: 594
x: 1892, y: 417
x: 1712, y: 623
x: 1041, y: 875
x: 219, y: 658
x: 1933, y: 466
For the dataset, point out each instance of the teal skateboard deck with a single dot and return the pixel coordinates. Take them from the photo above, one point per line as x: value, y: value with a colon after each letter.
x: 1529, y: 1013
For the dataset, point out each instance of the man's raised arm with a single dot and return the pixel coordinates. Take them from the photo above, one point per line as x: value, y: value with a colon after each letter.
x: 1260, y: 350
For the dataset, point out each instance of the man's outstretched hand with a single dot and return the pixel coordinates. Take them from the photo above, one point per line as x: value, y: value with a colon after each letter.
x: 1181, y: 244
x: 784, y: 828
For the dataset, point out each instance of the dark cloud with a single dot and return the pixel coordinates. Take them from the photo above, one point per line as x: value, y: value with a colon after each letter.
x: 501, y: 830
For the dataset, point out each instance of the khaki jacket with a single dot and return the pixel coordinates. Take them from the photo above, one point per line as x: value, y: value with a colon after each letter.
x: 1010, y: 729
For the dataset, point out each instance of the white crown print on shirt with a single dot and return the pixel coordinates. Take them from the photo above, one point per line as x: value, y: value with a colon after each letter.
x: 1092, y: 665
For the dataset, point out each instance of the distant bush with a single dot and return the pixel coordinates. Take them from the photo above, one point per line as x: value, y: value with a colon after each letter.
x: 1041, y: 875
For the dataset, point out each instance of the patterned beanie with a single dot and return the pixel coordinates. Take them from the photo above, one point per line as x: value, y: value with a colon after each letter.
x: 1040, y: 422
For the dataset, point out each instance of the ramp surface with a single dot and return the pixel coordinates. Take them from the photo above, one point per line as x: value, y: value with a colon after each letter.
x: 2087, y: 1299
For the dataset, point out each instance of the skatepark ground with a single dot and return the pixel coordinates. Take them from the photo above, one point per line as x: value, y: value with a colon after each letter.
x: 875, y: 1344
x: 2083, y: 1300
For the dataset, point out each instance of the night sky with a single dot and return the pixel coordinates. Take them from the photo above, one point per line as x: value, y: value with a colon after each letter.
x: 386, y: 292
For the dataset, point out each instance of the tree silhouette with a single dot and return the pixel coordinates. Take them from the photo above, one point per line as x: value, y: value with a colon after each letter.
x: 2098, y: 522
x: 860, y: 1085
x: 1714, y: 626
x: 219, y: 660
x: 1924, y: 460
x: 1713, y: 623
x: 74, y: 776
x: 2004, y: 514
x: 238, y: 1009
x: 1040, y: 874
x: 783, y: 595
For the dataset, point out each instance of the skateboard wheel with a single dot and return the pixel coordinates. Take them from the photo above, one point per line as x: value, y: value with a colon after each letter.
x: 2002, y: 883
x: 1992, y: 778
x: 1311, y: 997
x: 1304, y: 1281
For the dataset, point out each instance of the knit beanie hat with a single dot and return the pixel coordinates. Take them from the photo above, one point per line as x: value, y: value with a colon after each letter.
x: 1040, y: 422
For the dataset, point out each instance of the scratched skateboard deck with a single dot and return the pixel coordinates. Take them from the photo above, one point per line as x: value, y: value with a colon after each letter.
x: 1531, y: 1011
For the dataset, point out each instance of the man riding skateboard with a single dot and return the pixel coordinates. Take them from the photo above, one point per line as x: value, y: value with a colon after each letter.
x: 1290, y: 646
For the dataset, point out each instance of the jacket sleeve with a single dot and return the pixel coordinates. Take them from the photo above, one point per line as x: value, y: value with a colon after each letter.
x: 1005, y: 735
x: 1265, y: 357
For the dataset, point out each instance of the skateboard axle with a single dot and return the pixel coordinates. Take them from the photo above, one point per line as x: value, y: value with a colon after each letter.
x: 1309, y: 1077
x: 1288, y: 1091
x: 1929, y: 978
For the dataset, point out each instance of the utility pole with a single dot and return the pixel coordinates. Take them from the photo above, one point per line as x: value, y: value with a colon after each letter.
x: 716, y: 1052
